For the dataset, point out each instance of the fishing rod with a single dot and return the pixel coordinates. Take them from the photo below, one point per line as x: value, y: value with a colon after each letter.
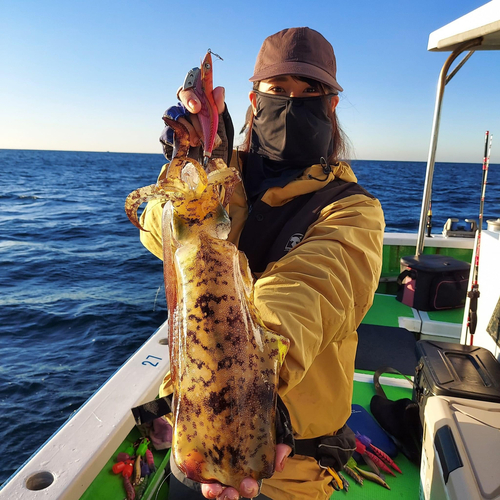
x: 429, y: 219
x: 474, y: 293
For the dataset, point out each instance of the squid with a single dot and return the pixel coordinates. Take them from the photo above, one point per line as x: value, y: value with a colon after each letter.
x: 224, y: 362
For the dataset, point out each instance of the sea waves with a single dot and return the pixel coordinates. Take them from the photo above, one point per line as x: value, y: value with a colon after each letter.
x: 80, y: 293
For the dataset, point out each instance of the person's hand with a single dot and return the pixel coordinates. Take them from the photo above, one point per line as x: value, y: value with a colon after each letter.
x: 193, y: 105
x: 249, y: 487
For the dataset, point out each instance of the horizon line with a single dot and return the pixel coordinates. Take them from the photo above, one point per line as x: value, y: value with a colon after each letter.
x: 161, y: 154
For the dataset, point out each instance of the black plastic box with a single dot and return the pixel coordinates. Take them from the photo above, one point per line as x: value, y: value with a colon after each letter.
x: 446, y: 369
x: 433, y: 282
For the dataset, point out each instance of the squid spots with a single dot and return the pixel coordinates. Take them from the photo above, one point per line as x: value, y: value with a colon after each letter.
x: 217, y: 401
x: 204, y: 300
x: 228, y: 362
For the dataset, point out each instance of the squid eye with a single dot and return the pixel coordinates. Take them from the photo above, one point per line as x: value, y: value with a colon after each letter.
x: 207, y: 66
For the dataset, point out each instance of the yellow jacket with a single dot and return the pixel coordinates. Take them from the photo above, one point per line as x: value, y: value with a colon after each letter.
x: 316, y: 295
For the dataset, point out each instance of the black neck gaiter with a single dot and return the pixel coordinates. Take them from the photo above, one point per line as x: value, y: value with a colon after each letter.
x: 289, y: 134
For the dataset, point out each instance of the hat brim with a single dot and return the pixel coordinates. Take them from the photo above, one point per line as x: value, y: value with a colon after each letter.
x: 297, y: 68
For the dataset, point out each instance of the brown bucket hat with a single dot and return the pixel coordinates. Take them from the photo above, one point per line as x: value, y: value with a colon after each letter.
x: 297, y: 51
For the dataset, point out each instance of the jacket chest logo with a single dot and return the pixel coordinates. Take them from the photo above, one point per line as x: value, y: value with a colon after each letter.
x: 293, y: 240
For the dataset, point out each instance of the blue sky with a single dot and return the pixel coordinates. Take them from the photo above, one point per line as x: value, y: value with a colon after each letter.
x: 98, y: 75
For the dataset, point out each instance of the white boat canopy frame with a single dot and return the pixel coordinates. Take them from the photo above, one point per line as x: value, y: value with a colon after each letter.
x: 477, y: 30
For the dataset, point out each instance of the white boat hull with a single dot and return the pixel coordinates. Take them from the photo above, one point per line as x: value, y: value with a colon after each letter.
x: 66, y: 465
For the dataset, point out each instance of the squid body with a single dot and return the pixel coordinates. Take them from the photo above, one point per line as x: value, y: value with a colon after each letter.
x: 224, y: 362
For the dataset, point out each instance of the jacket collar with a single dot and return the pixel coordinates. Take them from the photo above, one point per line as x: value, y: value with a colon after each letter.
x: 311, y: 180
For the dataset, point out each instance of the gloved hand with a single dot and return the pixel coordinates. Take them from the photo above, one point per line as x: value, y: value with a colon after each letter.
x: 185, y: 112
x: 174, y: 113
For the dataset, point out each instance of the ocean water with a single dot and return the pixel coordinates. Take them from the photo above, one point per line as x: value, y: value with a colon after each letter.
x: 79, y: 293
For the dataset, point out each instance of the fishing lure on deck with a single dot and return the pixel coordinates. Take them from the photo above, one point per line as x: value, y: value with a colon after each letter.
x: 128, y: 488
x: 377, y: 451
x: 150, y: 460
x: 372, y: 477
x: 345, y: 482
x: 349, y: 469
x: 358, y: 474
x: 372, y: 460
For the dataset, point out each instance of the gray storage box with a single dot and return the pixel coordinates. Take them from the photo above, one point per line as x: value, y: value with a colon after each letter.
x: 446, y: 369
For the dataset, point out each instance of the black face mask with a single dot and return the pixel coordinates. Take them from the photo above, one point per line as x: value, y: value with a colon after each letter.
x: 294, y: 130
x: 289, y: 134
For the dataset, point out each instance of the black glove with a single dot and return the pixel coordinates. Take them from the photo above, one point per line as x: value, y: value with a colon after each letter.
x: 284, y: 433
x: 225, y: 131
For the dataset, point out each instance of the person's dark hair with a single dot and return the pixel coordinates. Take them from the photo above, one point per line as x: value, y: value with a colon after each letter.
x: 340, y: 141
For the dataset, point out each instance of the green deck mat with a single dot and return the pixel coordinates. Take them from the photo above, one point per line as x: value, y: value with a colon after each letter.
x: 448, y: 316
x: 109, y: 486
x: 386, y: 310
x: 403, y: 486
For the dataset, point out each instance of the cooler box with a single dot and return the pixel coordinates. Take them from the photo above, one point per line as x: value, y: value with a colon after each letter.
x: 433, y: 282
x: 462, y: 371
x: 461, y: 450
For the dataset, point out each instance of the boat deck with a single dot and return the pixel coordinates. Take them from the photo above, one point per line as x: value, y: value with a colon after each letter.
x: 403, y: 486
x: 110, y: 486
x: 388, y: 337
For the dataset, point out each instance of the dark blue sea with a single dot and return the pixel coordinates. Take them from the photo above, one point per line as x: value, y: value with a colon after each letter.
x: 79, y: 293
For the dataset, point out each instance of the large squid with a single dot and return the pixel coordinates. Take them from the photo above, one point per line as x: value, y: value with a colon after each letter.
x: 224, y: 361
